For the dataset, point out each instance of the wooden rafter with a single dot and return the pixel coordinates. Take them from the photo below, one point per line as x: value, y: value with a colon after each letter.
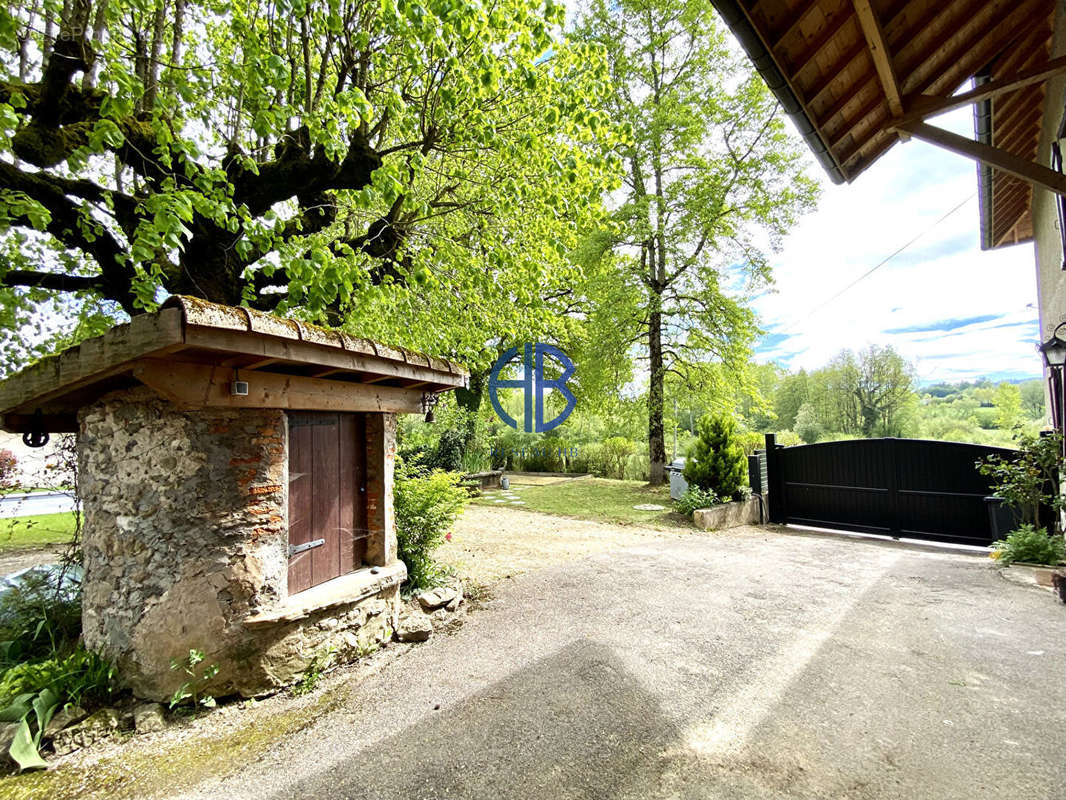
x: 969, y: 55
x: 994, y: 157
x: 879, y: 52
x: 926, y: 109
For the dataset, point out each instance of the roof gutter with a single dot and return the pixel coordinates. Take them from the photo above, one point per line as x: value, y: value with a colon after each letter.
x: 749, y: 39
x: 982, y: 123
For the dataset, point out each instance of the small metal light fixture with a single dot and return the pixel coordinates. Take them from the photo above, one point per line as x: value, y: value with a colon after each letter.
x: 238, y: 388
x: 1054, y: 349
x: 1054, y: 354
x: 429, y: 402
x: 37, y: 436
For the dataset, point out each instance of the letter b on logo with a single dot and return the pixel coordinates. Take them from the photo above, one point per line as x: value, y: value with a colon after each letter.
x: 533, y: 384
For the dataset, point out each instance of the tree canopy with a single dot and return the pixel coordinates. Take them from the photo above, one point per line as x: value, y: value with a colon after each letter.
x: 713, y: 181
x: 309, y: 155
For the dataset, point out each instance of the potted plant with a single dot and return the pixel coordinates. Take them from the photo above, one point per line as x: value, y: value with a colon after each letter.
x: 1027, y: 486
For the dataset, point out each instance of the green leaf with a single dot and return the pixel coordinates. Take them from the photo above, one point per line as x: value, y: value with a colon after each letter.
x: 24, y: 749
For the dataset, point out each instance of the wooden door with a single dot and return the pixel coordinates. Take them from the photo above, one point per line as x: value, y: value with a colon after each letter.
x: 327, y: 497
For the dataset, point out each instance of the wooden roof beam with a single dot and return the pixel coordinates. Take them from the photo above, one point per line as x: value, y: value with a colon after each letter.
x: 197, y: 386
x: 926, y: 108
x: 1036, y: 174
x: 882, y: 57
x: 980, y: 39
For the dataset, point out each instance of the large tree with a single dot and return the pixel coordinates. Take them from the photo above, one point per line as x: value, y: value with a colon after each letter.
x: 292, y: 154
x: 712, y: 182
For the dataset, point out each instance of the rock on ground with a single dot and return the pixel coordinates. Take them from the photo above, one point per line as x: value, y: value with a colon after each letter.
x: 97, y: 726
x: 435, y: 598
x: 148, y: 718
x: 415, y: 628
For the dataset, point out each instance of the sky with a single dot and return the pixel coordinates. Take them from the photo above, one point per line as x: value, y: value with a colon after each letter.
x: 954, y: 311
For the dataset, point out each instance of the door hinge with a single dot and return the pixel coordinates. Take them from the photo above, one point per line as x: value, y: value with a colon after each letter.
x: 299, y: 548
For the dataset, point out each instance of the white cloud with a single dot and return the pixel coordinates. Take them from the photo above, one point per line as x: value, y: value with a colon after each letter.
x: 911, y: 301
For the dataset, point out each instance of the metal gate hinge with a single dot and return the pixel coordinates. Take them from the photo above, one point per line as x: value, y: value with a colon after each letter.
x: 299, y: 548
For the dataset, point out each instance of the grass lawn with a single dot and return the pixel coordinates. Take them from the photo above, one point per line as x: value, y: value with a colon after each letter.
x: 20, y: 533
x: 598, y: 499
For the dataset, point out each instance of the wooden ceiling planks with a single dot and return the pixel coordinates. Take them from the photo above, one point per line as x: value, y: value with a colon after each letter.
x: 1016, y: 126
x: 932, y: 48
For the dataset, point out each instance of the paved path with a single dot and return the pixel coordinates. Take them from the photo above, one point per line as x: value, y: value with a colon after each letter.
x: 25, y: 505
x: 746, y: 665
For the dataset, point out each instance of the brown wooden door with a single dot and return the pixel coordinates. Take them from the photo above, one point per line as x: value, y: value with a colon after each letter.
x: 327, y: 497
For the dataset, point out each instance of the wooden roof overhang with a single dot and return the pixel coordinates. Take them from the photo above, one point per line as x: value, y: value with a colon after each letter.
x: 190, y: 352
x: 859, y: 75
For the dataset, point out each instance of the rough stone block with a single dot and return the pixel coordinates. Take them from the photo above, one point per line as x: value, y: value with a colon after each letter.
x: 728, y: 515
x: 416, y: 627
x: 148, y: 718
x: 94, y: 728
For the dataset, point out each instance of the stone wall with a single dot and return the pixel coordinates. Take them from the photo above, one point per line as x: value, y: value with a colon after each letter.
x: 729, y: 515
x: 186, y: 539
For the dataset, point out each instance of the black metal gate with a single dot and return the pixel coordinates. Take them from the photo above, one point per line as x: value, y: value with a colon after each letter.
x: 905, y: 488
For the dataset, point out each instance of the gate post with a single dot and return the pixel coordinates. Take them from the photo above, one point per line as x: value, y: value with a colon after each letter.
x: 775, y: 494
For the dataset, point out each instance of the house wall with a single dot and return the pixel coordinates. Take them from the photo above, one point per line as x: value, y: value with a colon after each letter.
x: 1051, y: 278
x: 186, y: 540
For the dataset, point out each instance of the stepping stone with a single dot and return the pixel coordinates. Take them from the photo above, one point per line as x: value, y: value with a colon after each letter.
x: 649, y: 507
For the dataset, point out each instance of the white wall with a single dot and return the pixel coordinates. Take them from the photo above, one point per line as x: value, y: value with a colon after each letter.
x: 33, y: 462
x: 1050, y: 276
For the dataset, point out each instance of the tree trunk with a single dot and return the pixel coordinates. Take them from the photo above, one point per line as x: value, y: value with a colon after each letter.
x: 656, y: 441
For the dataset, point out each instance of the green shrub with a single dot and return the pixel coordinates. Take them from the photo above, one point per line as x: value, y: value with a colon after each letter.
x: 39, y: 618
x: 448, y: 455
x: 694, y: 498
x: 808, y: 427
x: 615, y: 453
x: 1031, y: 545
x: 986, y: 418
x: 751, y: 441
x: 426, y: 504
x: 790, y: 439
x: 1026, y: 480
x: 31, y: 693
x: 716, y: 461
x: 80, y: 678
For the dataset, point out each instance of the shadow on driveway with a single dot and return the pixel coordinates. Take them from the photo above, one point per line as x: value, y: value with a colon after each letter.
x: 573, y: 725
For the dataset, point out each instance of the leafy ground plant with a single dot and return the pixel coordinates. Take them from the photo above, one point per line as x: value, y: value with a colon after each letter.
x: 32, y: 712
x: 190, y: 693
x: 694, y: 498
x: 1031, y: 545
x: 320, y: 662
x: 426, y: 504
x: 1028, y: 480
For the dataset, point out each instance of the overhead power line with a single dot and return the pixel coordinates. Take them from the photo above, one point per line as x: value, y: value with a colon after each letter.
x: 878, y: 266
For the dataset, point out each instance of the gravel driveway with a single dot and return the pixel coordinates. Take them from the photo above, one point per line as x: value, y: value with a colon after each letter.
x: 752, y: 664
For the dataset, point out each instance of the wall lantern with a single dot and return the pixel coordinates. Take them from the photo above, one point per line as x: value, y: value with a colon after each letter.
x: 1054, y: 349
x: 429, y: 402
x: 1054, y: 354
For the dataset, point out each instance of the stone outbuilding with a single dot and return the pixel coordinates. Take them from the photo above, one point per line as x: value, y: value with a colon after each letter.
x: 236, y: 477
